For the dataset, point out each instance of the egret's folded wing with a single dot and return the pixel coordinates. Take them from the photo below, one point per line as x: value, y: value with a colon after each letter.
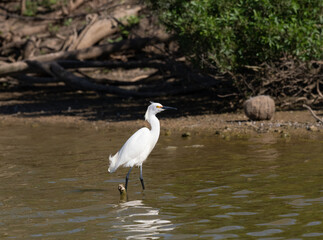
x: 136, y: 145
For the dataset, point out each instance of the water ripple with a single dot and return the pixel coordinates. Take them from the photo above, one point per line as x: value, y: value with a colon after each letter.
x: 315, y: 223
x: 224, y: 229
x: 314, y: 234
x: 264, y: 233
x: 219, y: 236
x: 76, y: 230
x: 280, y: 222
x: 241, y: 213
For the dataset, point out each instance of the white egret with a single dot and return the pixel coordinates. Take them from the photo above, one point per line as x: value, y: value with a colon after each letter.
x: 137, y: 148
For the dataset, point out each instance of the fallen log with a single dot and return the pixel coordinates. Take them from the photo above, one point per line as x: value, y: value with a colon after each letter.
x: 29, y: 80
x: 83, y: 54
x: 84, y: 84
x: 143, y: 63
x: 32, y: 30
x: 98, y: 29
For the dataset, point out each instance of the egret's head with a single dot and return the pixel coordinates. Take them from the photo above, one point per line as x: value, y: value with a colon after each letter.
x: 155, y: 108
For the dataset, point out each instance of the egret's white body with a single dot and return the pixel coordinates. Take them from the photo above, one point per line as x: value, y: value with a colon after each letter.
x: 136, y: 150
x: 138, y: 147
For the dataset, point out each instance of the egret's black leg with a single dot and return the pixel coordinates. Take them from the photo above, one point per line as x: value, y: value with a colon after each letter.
x: 127, y: 178
x: 141, y: 178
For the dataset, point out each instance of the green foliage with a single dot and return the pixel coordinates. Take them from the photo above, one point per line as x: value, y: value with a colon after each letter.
x: 31, y: 8
x: 53, y: 29
x: 132, y: 21
x: 68, y: 22
x: 32, y: 5
x: 115, y: 40
x: 47, y: 3
x: 125, y: 29
x: 234, y: 33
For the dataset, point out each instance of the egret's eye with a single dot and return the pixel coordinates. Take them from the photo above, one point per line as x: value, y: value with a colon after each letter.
x: 159, y: 106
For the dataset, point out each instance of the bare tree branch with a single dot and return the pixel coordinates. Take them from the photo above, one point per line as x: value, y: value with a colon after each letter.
x: 318, y: 89
x: 313, y: 114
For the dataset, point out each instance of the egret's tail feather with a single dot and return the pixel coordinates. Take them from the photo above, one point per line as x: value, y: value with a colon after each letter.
x: 112, y: 160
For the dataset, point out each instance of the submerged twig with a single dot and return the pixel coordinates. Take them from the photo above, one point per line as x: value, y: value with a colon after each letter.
x: 123, y: 193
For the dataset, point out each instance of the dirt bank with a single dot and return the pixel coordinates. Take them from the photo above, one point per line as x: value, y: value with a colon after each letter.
x: 226, y: 125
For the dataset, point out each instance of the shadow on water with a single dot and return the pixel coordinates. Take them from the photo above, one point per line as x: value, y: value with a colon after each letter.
x: 55, y: 185
x: 59, y: 100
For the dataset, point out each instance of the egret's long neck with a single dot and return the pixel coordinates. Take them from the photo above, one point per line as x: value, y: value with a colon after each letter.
x: 155, y: 125
x: 155, y: 128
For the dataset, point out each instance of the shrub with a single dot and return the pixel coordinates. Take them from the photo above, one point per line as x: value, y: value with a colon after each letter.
x: 229, y: 34
x: 32, y: 5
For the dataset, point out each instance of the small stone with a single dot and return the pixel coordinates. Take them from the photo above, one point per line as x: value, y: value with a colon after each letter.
x: 186, y: 134
x: 226, y: 137
x: 171, y: 148
x: 227, y: 128
x: 312, y: 128
x: 168, y: 132
x: 284, y: 134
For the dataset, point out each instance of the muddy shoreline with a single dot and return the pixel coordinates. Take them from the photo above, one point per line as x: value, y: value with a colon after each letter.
x: 284, y: 124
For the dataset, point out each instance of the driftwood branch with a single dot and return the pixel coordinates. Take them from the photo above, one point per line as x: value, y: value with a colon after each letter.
x: 100, y: 28
x: 318, y: 89
x: 60, y: 74
x: 32, y: 80
x: 22, y: 7
x: 78, y: 39
x: 32, y: 30
x: 144, y: 63
x: 84, y: 84
x: 176, y: 68
x: 150, y: 79
x: 57, y: 69
x: 313, y: 113
x: 83, y: 54
x: 74, y: 5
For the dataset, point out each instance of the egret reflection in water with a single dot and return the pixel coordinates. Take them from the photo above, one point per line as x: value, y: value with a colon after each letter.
x: 138, y: 221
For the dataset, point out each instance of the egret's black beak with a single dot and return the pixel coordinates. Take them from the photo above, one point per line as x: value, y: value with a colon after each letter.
x: 166, y: 108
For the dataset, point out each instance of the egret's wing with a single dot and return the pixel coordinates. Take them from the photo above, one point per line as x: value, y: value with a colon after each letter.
x: 136, y: 144
x: 134, y: 148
